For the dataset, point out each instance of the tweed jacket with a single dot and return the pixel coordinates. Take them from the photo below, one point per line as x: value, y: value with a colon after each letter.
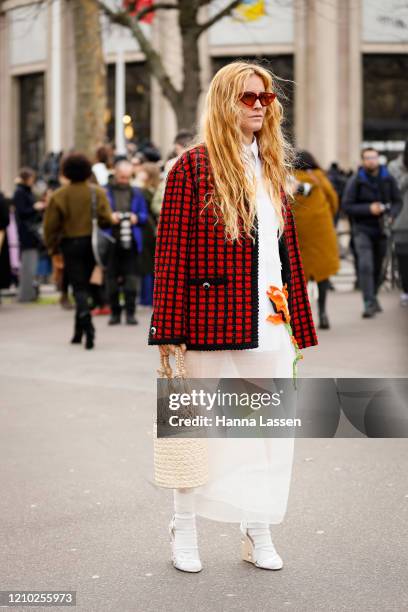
x: 205, y: 287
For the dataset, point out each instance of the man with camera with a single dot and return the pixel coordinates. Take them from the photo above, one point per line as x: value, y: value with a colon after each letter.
x: 371, y: 200
x: 129, y: 215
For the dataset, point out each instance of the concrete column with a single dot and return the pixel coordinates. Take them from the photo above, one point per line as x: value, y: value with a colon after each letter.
x: 317, y: 77
x: 166, y: 38
x: 301, y: 76
x: 9, y: 137
x: 355, y: 86
x: 3, y: 106
x: 205, y: 63
x: 68, y: 79
x: 54, y: 78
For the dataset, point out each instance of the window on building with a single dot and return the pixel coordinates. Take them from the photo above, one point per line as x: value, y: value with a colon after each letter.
x: 31, y: 95
x: 282, y: 66
x: 385, y: 105
x: 138, y: 99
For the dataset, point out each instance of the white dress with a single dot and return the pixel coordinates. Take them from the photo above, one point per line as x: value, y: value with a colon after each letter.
x: 250, y: 477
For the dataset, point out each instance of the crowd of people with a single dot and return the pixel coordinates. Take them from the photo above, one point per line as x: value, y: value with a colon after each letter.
x: 48, y: 231
x: 49, y: 224
x: 375, y: 201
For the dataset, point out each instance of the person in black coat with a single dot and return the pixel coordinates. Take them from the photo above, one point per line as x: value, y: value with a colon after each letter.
x: 5, y: 270
x: 371, y: 195
x: 28, y: 219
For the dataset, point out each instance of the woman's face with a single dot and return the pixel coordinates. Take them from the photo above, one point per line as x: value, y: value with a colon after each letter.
x: 252, y: 117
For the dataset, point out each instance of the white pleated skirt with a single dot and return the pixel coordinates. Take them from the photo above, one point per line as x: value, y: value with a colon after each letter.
x: 249, y: 478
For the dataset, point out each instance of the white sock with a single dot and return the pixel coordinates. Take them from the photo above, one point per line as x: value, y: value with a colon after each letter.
x: 184, y: 501
x: 184, y: 519
x: 260, y: 534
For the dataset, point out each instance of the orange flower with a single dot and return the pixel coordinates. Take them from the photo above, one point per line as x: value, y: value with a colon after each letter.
x: 276, y: 319
x: 279, y: 301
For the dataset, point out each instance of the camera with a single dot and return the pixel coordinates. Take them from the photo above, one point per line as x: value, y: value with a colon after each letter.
x: 385, y: 219
x: 386, y: 208
x: 125, y: 230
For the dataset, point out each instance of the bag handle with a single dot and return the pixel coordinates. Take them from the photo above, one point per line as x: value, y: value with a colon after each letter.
x: 165, y: 371
x: 93, y: 203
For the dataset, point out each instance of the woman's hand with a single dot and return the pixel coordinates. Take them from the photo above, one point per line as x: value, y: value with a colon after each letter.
x: 167, y: 349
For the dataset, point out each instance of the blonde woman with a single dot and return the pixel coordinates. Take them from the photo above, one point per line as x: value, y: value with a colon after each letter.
x: 228, y: 276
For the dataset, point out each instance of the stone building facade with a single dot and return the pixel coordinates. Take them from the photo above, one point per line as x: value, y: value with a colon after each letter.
x: 345, y: 63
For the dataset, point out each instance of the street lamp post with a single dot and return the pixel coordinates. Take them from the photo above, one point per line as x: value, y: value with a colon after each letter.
x: 55, y: 71
x: 120, y: 101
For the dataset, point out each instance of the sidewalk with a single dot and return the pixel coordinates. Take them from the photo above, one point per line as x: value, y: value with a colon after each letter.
x: 357, y: 347
x: 79, y: 509
x: 353, y: 346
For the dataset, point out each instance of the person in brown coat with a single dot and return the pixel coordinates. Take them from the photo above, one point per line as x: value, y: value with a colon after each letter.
x: 68, y: 225
x: 316, y: 204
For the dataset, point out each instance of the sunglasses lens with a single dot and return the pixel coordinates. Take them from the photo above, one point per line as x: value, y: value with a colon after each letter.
x: 248, y: 98
x: 266, y: 98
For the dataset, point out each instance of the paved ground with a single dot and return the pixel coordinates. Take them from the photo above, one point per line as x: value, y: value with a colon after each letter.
x: 79, y: 510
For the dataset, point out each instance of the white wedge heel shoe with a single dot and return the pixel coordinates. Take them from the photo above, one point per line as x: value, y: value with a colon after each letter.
x: 184, y: 547
x: 257, y: 546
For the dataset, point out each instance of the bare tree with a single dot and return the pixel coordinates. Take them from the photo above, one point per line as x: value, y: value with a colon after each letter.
x: 184, y: 100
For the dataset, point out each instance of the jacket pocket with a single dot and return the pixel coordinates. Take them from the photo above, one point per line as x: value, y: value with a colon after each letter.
x: 207, y: 307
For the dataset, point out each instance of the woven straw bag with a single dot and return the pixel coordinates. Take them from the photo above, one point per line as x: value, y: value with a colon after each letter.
x: 178, y: 462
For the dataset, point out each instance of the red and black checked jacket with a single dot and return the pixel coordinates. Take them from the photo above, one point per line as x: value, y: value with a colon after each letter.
x: 206, y: 288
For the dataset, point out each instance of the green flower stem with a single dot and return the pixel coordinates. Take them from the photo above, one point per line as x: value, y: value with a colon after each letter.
x: 298, y: 355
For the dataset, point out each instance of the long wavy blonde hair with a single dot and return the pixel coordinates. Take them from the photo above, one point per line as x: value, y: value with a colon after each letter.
x: 234, y: 192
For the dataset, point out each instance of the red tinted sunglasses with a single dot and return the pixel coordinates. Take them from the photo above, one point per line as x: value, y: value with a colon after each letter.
x: 249, y: 98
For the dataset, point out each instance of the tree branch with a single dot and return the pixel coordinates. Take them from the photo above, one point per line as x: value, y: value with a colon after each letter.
x: 114, y: 16
x: 153, y: 59
x: 154, y: 7
x: 224, y: 13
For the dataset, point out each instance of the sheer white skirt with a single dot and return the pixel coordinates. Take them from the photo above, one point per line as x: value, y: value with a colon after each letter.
x: 249, y: 478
